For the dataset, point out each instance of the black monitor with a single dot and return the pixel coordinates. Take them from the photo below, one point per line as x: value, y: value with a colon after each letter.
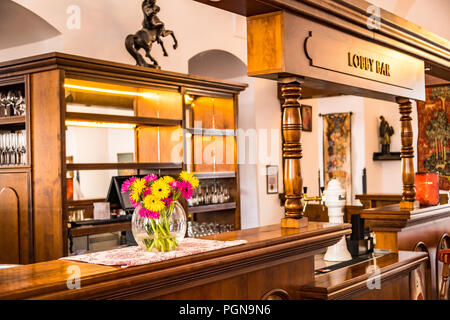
x: 115, y: 194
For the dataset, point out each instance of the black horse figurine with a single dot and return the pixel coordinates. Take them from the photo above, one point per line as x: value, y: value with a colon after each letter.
x: 153, y: 29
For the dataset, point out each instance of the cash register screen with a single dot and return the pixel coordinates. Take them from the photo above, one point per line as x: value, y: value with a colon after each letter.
x: 115, y: 194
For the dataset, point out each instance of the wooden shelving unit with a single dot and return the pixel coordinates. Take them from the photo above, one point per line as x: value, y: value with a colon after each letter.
x: 13, y: 120
x: 16, y: 212
x: 50, y: 82
x: 215, y: 175
x: 118, y: 166
x: 213, y: 207
x: 211, y: 132
x: 93, y: 117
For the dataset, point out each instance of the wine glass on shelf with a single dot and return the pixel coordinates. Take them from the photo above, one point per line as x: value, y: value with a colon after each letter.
x: 19, y: 105
x: 22, y: 147
x: 3, y: 104
x: 12, y: 99
x: 13, y: 148
x: 2, y: 150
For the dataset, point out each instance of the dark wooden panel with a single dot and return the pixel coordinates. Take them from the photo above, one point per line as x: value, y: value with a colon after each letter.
x: 398, y: 289
x: 46, y: 120
x: 9, y: 226
x: 15, y: 218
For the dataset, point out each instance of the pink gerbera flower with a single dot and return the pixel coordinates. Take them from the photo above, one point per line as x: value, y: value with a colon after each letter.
x: 133, y: 203
x: 168, y: 201
x: 126, y: 185
x: 186, y: 189
x: 151, y: 177
x: 145, y: 213
x: 175, y: 184
x: 146, y: 192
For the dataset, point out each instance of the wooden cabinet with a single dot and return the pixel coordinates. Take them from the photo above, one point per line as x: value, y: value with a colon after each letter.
x: 15, y: 226
x: 64, y: 91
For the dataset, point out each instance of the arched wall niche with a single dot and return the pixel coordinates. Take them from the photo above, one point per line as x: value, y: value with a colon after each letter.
x: 21, y: 26
x: 255, y: 104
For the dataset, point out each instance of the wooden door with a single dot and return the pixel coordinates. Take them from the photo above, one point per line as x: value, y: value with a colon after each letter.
x: 14, y: 218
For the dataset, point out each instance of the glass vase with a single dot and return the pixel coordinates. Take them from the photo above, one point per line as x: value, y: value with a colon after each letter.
x: 162, y: 234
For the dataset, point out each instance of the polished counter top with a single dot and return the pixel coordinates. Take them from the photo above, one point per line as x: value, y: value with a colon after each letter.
x: 349, y: 281
x: 266, y: 245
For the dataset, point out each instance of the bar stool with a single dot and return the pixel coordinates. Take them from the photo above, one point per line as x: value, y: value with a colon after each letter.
x: 444, y: 257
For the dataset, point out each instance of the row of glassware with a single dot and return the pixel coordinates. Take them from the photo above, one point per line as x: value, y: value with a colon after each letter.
x: 196, y: 229
x: 12, y: 103
x: 209, y: 194
x: 13, y: 148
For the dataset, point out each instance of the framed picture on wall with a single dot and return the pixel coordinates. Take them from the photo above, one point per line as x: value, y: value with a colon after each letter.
x: 307, y: 118
x: 272, y: 179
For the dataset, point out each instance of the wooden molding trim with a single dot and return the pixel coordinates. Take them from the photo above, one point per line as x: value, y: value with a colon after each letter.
x: 73, y: 64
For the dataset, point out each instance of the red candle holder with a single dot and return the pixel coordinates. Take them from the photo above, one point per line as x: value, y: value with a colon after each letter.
x: 427, y: 188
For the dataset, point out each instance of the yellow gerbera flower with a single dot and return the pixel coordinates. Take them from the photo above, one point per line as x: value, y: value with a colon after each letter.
x: 138, y: 186
x: 168, y: 179
x: 154, y: 204
x: 135, y: 196
x: 160, y: 189
x: 184, y: 175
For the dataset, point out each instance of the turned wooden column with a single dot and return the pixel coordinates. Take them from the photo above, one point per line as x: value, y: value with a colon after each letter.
x: 291, y: 130
x: 407, y: 154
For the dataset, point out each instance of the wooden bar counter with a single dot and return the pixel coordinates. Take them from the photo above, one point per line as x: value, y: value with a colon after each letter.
x: 420, y: 229
x: 274, y: 263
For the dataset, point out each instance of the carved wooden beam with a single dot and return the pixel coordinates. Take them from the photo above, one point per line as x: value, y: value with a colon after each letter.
x: 291, y: 127
x: 407, y: 154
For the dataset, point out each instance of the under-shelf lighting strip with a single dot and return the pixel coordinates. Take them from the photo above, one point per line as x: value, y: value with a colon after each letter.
x: 109, y: 125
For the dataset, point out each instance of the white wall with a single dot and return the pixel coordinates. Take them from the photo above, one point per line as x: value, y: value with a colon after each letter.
x: 199, y: 28
x: 432, y: 15
x: 106, y: 23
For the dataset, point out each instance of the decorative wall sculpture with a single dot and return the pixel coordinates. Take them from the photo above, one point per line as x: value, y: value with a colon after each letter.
x: 337, y: 156
x: 434, y: 134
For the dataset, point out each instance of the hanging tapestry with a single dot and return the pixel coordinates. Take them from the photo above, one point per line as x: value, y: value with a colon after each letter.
x: 434, y: 133
x: 337, y: 156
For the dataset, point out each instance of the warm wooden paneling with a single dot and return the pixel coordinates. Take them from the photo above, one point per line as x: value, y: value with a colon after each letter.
x: 203, y: 112
x: 47, y: 153
x: 265, y: 42
x: 223, y: 113
x: 160, y: 104
x: 147, y: 144
x: 225, y: 150
x: 9, y: 224
x: 204, y: 150
x: 160, y: 144
x: 15, y: 218
x: 171, y: 144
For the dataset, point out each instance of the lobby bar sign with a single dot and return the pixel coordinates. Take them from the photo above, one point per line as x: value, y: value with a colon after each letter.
x: 369, y: 64
x: 362, y: 59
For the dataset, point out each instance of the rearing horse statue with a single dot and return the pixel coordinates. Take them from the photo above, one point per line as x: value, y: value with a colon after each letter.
x: 153, y: 29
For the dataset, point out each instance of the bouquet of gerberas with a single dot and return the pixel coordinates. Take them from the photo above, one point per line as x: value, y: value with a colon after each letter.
x: 155, y: 200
